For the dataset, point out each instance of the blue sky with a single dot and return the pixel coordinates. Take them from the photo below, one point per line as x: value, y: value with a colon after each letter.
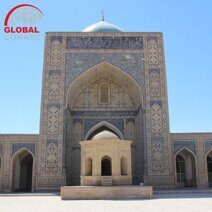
x: 187, y: 30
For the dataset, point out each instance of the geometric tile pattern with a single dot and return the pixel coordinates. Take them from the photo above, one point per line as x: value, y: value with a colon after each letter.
x: 78, y: 134
x: 89, y: 98
x: 156, y: 118
x: 54, y: 86
x: 125, y: 113
x: 56, y: 46
x: 46, y: 182
x: 184, y: 144
x: 157, y: 140
x: 154, y: 84
x: 208, y: 145
x: 77, y: 63
x: 18, y: 146
x: 53, y: 120
x: 159, y: 181
x: 158, y: 160
x: 153, y: 51
x: 51, y: 156
x: 104, y: 42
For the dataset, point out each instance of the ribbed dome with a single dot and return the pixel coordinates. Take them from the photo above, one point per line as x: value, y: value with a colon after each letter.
x: 102, y: 26
x: 105, y: 135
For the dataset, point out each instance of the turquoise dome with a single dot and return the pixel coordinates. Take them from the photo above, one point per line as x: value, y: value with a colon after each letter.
x: 102, y: 26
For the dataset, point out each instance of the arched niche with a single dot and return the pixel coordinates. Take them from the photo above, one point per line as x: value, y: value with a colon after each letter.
x: 88, y: 166
x: 124, y: 166
x: 22, y: 171
x: 209, y: 167
x: 185, y: 168
x: 104, y: 72
x: 104, y: 93
x: 106, y: 166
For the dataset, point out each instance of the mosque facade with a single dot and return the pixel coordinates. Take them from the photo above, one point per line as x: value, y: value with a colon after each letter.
x: 104, y: 84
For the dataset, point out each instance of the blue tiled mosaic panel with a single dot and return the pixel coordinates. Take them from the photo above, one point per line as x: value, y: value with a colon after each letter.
x: 104, y: 42
x: 208, y: 145
x: 18, y: 146
x: 181, y: 144
x: 104, y: 113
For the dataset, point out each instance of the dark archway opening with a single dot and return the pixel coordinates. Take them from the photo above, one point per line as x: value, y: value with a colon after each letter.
x: 26, y: 173
x: 180, y: 169
x: 106, y: 168
x: 22, y: 172
x: 100, y: 129
x: 209, y: 166
x: 185, y: 169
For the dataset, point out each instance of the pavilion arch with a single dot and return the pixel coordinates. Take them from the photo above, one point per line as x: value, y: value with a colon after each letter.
x: 124, y: 165
x: 100, y: 126
x: 101, y: 70
x: 187, y: 177
x: 22, y: 171
x: 106, y: 166
x: 88, y: 166
x: 208, y: 160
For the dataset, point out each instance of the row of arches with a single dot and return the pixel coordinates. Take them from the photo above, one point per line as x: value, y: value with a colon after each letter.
x: 185, y: 168
x: 106, y: 166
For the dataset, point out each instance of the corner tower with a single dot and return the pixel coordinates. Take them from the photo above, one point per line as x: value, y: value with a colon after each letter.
x: 100, y: 79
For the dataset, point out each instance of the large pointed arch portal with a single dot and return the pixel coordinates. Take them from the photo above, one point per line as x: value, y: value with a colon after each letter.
x: 103, y: 98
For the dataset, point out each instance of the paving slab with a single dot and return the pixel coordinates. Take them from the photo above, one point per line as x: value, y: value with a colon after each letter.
x: 160, y: 202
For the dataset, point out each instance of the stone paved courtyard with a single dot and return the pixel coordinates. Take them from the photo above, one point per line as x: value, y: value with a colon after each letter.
x: 160, y: 202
